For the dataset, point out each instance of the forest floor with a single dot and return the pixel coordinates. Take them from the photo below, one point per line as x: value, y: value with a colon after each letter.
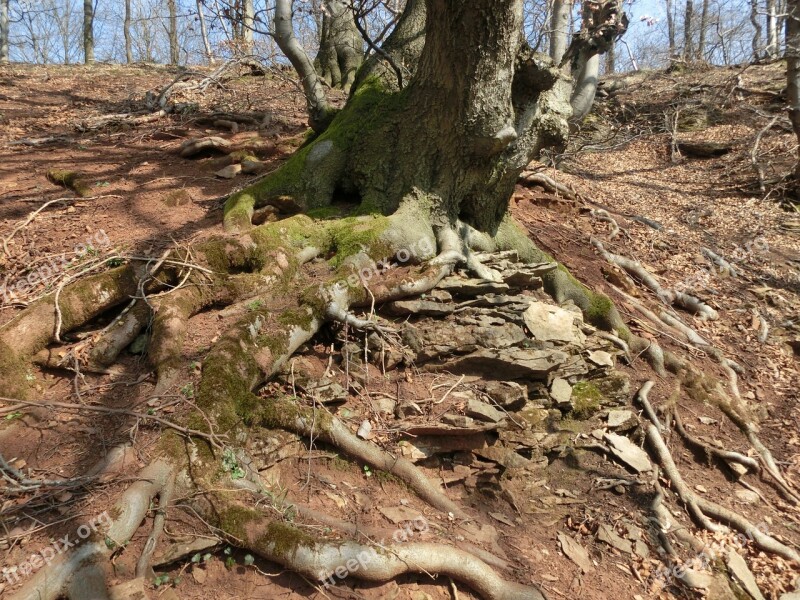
x: 143, y: 198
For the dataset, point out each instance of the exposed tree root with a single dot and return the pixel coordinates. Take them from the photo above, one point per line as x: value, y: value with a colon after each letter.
x: 700, y: 508
x: 727, y: 456
x: 74, y: 574
x: 682, y: 299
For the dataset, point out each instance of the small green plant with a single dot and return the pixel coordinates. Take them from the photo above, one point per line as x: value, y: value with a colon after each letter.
x: 188, y: 390
x: 161, y: 580
x: 115, y: 262
x: 249, y: 560
x: 367, y: 471
x: 231, y: 465
x: 255, y: 305
x: 30, y: 377
x: 14, y: 415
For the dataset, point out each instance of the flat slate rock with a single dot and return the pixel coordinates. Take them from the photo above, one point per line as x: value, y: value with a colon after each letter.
x: 472, y: 287
x: 550, y: 323
x: 628, y: 452
x: 507, y: 363
x: 402, y: 308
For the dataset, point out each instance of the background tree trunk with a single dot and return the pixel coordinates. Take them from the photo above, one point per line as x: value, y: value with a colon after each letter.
x: 673, y: 53
x: 793, y: 70
x: 204, y: 32
x: 174, y: 48
x: 700, y: 53
x: 126, y: 30
x: 611, y: 59
x: 755, y: 20
x: 341, y: 49
x: 319, y: 111
x: 248, y: 17
x: 772, y: 29
x: 559, y: 28
x: 688, y: 39
x: 3, y: 31
x: 88, y: 32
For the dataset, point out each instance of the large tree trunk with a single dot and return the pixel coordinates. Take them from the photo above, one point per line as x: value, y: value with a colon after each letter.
x: 126, y: 30
x: 463, y: 155
x: 3, y: 31
x: 341, y: 49
x: 88, y: 32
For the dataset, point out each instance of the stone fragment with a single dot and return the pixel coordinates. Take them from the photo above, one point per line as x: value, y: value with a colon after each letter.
x: 471, y: 287
x: 508, y: 394
x: 628, y: 452
x: 510, y: 363
x: 549, y: 323
x: 483, y: 411
x: 561, y: 392
x: 738, y: 567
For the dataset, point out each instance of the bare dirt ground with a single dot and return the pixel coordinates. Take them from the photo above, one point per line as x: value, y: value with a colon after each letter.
x: 144, y: 199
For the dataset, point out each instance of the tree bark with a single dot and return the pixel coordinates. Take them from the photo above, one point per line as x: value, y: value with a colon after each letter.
x: 793, y: 70
x: 88, y: 32
x: 174, y: 49
x: 341, y: 49
x: 3, y: 31
x: 126, y: 30
x: 559, y: 28
x: 688, y: 33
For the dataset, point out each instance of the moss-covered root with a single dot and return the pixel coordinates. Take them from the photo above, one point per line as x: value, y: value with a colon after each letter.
x: 172, y: 313
x: 325, y: 562
x: 32, y: 329
x: 73, y: 573
x: 72, y: 180
x: 286, y: 414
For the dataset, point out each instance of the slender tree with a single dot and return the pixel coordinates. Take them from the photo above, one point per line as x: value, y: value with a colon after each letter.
x: 126, y: 31
x: 88, y: 32
x: 204, y: 32
x: 172, y: 31
x: 688, y: 32
x: 772, y: 29
x: 559, y: 28
x: 248, y: 17
x: 671, y: 36
x: 700, y: 51
x: 793, y: 71
x: 755, y: 20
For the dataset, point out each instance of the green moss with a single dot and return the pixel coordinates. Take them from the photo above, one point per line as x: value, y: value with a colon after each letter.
x: 235, y: 519
x: 282, y: 540
x: 224, y: 255
x: 325, y: 212
x: 71, y: 180
x: 358, y: 234
x: 13, y: 371
x: 587, y: 400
